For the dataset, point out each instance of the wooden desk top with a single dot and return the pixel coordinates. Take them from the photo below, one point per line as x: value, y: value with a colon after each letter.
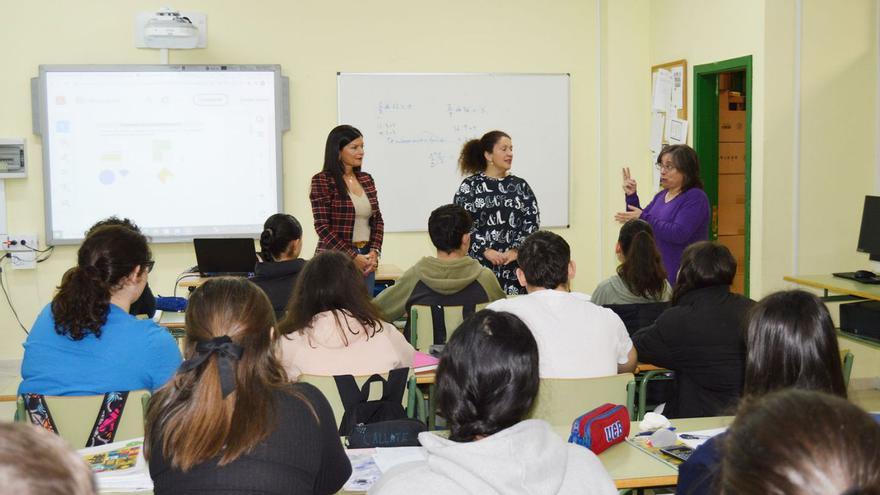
x: 385, y: 272
x: 837, y: 285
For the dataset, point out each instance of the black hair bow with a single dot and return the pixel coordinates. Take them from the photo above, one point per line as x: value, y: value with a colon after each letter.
x: 227, y: 352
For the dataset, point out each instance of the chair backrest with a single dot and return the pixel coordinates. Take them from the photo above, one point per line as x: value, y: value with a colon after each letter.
x: 561, y: 400
x: 636, y: 316
x: 427, y: 321
x: 846, y: 359
x: 327, y: 386
x: 74, y: 416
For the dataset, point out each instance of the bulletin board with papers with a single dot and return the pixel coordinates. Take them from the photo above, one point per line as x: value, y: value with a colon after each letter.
x: 669, y: 113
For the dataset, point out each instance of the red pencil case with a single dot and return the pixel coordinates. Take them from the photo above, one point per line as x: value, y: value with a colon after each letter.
x: 601, y: 428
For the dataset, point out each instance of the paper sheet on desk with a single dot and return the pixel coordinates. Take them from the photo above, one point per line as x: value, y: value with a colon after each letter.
x: 387, y: 458
x: 704, y: 435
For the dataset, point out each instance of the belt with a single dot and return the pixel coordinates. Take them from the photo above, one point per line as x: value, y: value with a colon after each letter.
x: 360, y: 245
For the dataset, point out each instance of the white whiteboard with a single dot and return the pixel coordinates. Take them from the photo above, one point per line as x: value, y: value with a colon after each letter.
x: 415, y: 124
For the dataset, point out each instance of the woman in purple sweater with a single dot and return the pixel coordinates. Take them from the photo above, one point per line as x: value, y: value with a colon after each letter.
x: 679, y: 213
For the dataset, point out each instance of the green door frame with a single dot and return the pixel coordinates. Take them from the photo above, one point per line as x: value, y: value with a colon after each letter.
x: 706, y: 138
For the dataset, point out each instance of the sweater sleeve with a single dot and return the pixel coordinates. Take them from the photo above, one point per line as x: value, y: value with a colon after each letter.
x: 377, y: 224
x: 531, y: 217
x: 633, y: 200
x: 652, y: 343
x: 403, y: 350
x: 697, y: 475
x: 335, y: 467
x: 321, y: 198
x: 490, y: 284
x: 465, y: 197
x: 162, y: 356
x: 392, y: 301
x: 691, y: 216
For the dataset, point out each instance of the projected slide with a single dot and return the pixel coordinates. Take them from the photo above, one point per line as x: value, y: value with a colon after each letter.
x: 184, y: 154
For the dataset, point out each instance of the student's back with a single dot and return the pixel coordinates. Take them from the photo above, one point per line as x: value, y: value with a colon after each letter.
x: 85, y: 342
x: 280, y: 246
x: 701, y: 337
x: 450, y: 279
x: 332, y: 326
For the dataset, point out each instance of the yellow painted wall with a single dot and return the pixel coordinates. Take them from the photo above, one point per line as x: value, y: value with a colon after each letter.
x: 312, y: 40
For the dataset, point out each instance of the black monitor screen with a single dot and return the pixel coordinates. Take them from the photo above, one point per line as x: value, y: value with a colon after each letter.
x: 869, y: 235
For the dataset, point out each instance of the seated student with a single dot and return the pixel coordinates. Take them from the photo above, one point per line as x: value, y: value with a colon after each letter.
x: 700, y: 336
x: 146, y: 304
x: 640, y: 288
x: 34, y: 461
x: 640, y: 277
x: 332, y: 326
x: 230, y: 421
x: 790, y: 343
x: 84, y: 342
x: 486, y: 382
x: 576, y: 338
x: 451, y: 279
x: 280, y: 244
x: 802, y: 442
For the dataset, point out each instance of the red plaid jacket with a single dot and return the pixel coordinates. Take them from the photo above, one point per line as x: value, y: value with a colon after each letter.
x: 334, y: 214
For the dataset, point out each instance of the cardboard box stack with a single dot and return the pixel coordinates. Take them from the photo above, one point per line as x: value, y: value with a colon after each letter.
x: 732, y: 177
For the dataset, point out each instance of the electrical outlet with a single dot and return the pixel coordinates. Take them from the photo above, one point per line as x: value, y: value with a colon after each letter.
x: 22, y: 250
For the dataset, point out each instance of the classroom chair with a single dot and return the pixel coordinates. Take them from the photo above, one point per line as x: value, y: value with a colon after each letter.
x: 561, y: 400
x: 327, y: 386
x: 434, y: 324
x: 75, y: 416
x: 644, y: 379
x: 637, y: 316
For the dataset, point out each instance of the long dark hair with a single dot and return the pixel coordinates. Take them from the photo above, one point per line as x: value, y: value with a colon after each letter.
x: 642, y: 268
x: 791, y: 343
x: 189, y: 414
x: 488, y: 378
x: 685, y: 160
x: 278, y: 232
x: 798, y: 441
x: 331, y: 282
x: 472, y: 159
x: 703, y: 264
x: 339, y: 138
x: 106, y: 256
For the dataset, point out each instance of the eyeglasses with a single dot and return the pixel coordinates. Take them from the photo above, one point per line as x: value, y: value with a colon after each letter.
x: 664, y: 168
x: 149, y: 265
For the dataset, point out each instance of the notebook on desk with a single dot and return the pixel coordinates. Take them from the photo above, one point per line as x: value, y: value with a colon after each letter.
x: 217, y: 257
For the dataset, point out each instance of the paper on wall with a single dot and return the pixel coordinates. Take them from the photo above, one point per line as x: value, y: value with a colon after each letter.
x: 657, y: 125
x: 662, y: 90
x: 678, y: 87
x: 676, y: 131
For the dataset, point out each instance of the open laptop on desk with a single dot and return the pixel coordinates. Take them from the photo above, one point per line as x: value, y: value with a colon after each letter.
x: 218, y: 257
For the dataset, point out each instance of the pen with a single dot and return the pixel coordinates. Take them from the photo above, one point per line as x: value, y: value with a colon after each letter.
x: 688, y: 436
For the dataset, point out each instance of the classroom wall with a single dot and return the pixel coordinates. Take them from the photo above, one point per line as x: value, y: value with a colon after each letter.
x: 312, y: 40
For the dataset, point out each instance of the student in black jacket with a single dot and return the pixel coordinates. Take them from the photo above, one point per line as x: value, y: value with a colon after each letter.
x: 701, y: 337
x: 280, y: 244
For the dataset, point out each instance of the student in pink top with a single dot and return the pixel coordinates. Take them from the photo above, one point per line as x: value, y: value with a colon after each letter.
x: 332, y: 326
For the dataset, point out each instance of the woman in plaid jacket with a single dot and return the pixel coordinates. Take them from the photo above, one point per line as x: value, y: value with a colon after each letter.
x: 344, y: 203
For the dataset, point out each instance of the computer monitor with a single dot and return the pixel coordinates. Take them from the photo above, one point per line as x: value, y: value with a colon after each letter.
x: 869, y: 234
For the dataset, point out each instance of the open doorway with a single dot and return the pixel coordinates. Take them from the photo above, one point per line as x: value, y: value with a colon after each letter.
x: 722, y: 139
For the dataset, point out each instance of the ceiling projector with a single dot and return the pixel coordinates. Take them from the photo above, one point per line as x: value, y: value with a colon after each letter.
x: 168, y: 29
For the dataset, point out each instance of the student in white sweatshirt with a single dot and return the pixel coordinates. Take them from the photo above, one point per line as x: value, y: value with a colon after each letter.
x: 486, y: 383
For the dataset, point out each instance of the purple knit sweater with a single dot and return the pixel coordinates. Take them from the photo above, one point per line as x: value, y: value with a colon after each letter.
x: 677, y: 224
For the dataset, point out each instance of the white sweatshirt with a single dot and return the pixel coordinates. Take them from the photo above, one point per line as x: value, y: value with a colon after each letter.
x: 527, y: 458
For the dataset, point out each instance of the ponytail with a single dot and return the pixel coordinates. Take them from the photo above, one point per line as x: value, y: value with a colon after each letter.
x: 278, y: 232
x: 108, y: 255
x: 642, y: 269
x: 472, y: 159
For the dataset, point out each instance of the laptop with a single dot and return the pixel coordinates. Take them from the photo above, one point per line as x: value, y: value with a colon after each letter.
x: 218, y: 257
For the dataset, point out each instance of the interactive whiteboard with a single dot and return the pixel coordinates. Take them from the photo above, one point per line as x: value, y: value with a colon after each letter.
x: 415, y: 124
x: 184, y: 151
